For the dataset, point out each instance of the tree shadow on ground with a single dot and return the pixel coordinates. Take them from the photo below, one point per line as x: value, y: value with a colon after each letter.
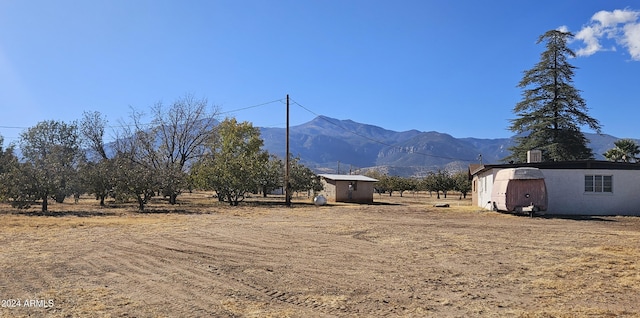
x: 264, y: 203
x: 171, y: 211
x: 64, y: 213
x: 578, y: 217
x: 379, y: 203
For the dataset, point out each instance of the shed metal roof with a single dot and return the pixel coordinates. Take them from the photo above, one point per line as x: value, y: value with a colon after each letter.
x: 347, y: 177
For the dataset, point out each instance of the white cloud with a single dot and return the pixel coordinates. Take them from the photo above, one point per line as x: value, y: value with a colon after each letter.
x: 589, y: 35
x: 621, y: 26
x: 609, y: 19
x: 632, y: 40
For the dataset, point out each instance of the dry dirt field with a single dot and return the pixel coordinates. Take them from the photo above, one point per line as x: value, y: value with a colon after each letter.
x: 401, y: 257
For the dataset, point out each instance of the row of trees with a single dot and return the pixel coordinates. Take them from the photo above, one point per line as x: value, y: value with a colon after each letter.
x: 182, y: 147
x: 440, y: 181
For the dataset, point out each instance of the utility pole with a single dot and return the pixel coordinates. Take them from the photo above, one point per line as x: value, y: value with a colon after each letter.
x: 287, y: 196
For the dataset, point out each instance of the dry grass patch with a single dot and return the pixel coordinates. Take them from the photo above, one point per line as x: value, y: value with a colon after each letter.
x: 396, y: 257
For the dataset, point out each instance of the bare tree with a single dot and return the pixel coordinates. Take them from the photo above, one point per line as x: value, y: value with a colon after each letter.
x: 168, y: 145
x: 98, y: 174
x: 182, y: 131
x: 134, y: 164
x: 92, y: 128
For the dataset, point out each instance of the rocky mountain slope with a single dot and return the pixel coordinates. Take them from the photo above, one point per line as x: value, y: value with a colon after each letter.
x: 328, y: 144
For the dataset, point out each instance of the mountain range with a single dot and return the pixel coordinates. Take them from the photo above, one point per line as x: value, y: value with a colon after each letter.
x: 329, y: 145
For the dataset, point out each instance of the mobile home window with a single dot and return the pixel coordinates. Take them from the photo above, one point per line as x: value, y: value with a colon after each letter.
x: 598, y: 183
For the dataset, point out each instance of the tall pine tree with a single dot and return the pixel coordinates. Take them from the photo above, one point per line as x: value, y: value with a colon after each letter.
x: 551, y: 111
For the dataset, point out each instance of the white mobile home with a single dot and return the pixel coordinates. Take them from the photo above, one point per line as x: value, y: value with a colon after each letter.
x: 588, y: 187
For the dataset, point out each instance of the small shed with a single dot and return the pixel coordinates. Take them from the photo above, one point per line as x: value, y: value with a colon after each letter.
x: 519, y: 190
x: 347, y: 188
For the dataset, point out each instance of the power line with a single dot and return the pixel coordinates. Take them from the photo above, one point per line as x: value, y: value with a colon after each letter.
x: 375, y: 140
x: 147, y: 124
x: 220, y: 113
x: 249, y: 107
x: 310, y: 111
x: 12, y: 127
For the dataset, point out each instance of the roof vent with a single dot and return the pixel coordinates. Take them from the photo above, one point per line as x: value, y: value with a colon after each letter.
x: 534, y: 156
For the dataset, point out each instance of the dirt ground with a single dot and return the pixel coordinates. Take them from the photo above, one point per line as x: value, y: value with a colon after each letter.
x: 401, y: 257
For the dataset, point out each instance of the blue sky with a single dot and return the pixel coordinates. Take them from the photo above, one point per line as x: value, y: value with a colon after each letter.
x: 447, y: 66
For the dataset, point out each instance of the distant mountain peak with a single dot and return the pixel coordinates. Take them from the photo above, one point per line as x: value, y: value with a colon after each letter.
x: 325, y: 143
